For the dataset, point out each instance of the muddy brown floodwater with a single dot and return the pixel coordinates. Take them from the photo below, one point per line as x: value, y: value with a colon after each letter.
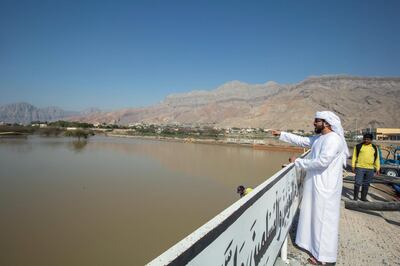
x: 114, y: 201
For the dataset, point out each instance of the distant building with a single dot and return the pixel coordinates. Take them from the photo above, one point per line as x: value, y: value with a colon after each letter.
x: 41, y: 125
x: 234, y: 130
x: 383, y: 133
x: 136, y: 125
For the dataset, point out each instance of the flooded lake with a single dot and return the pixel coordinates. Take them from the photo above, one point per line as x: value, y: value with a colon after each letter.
x: 114, y: 201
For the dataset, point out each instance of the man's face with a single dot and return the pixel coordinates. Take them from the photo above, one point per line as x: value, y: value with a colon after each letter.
x: 319, y: 125
x: 367, y: 141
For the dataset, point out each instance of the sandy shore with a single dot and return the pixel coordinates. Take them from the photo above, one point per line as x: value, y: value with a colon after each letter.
x: 365, y: 238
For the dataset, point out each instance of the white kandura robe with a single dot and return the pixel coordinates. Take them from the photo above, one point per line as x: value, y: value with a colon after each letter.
x: 318, y: 227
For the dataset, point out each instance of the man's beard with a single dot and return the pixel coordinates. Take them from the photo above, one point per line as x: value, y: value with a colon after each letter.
x: 318, y: 130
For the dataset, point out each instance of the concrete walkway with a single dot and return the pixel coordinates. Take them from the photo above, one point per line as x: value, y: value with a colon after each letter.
x: 365, y: 238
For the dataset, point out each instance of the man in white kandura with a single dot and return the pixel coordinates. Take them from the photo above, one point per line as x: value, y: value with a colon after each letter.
x: 318, y: 226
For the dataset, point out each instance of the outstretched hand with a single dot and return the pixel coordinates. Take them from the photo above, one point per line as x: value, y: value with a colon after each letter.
x: 276, y: 133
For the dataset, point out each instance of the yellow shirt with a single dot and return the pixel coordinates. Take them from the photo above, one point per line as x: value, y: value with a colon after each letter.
x: 247, y: 191
x: 366, y: 158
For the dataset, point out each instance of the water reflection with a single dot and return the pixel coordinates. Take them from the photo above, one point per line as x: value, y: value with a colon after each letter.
x: 16, y: 144
x: 78, y: 145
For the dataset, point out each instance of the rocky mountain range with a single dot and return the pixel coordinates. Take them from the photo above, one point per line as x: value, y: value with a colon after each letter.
x: 25, y: 113
x: 359, y: 101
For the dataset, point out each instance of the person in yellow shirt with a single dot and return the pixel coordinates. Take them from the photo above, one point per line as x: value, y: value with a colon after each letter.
x: 243, y: 191
x: 365, y: 163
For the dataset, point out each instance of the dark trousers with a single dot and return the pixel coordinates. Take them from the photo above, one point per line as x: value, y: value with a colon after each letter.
x: 363, y: 178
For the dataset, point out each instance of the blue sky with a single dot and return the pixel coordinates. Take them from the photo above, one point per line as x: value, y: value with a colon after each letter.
x: 116, y: 54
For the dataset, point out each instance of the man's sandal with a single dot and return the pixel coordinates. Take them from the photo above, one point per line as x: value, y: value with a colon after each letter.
x: 314, y: 261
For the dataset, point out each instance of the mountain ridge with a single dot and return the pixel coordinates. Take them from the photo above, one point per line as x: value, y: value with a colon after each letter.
x: 25, y: 113
x: 359, y: 101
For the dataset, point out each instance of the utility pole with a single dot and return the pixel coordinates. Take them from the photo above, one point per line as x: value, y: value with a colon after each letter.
x: 356, y: 129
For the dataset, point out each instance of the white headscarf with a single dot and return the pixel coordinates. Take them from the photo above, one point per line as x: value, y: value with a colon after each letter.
x: 336, y: 126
